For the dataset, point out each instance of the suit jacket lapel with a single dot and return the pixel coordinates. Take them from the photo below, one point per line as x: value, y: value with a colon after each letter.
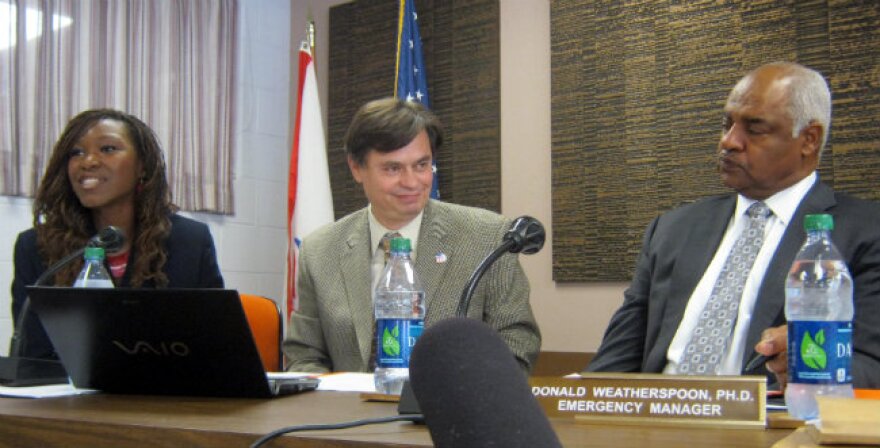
x: 356, y: 272
x: 769, y: 307
x: 432, y: 238
x: 702, y: 238
x: 705, y: 233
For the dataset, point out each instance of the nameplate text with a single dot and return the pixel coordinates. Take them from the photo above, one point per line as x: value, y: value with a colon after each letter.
x: 654, y: 399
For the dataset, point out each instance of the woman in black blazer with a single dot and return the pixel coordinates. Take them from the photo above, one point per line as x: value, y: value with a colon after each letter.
x: 107, y: 169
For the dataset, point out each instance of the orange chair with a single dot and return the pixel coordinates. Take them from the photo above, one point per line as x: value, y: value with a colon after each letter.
x: 868, y: 393
x: 264, y: 318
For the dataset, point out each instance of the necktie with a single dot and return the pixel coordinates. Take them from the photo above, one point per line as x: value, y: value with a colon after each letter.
x: 705, y: 350
x: 385, y: 245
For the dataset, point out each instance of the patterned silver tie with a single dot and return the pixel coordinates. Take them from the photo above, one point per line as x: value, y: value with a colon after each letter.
x: 705, y: 350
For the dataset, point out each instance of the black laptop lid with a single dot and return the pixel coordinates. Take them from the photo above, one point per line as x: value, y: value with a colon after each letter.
x: 153, y: 341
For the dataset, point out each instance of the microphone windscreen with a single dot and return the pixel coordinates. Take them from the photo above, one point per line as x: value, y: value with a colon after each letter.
x: 111, y: 238
x: 526, y: 235
x: 472, y: 391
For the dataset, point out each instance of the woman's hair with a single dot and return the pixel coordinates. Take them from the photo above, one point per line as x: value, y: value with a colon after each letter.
x: 63, y: 225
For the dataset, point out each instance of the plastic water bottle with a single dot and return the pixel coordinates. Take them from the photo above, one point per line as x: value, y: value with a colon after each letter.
x: 819, y: 310
x: 93, y: 273
x: 399, y: 304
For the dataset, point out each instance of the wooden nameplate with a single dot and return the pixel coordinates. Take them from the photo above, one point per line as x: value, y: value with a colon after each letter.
x: 387, y: 398
x: 655, y: 399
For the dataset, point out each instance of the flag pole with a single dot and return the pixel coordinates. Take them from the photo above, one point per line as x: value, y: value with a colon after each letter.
x: 310, y: 38
x: 400, y: 15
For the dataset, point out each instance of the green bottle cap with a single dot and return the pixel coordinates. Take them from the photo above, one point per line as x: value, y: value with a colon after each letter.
x: 94, y: 253
x: 399, y: 244
x: 818, y: 222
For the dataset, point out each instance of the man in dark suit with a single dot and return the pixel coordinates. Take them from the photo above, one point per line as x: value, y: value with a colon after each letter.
x: 776, y: 124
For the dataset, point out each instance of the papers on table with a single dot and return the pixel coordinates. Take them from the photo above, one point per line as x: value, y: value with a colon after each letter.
x: 343, y: 381
x: 289, y: 375
x: 52, y: 390
x: 340, y: 381
x: 348, y: 382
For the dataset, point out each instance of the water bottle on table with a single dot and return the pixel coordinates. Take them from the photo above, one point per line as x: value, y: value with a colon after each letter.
x: 93, y: 273
x: 399, y: 305
x: 819, y: 310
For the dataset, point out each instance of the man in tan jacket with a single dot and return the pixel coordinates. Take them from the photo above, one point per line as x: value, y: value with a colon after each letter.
x: 390, y: 145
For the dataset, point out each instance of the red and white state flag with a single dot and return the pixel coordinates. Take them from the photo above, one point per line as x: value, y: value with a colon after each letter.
x: 309, y: 200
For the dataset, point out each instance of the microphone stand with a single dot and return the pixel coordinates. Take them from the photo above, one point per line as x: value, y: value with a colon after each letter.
x: 527, y: 236
x: 465, y: 301
x: 109, y: 238
x: 15, y: 345
x: 408, y: 403
x: 16, y: 370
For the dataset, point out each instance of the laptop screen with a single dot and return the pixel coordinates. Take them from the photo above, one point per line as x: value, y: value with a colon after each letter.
x: 153, y: 341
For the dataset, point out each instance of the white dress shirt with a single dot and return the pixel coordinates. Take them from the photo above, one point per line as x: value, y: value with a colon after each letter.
x: 378, y: 231
x: 783, y: 204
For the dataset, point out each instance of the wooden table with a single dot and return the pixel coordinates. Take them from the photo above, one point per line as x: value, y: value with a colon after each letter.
x: 104, y: 420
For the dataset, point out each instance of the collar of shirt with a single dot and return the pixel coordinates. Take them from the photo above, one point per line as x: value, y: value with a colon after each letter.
x: 783, y: 203
x: 410, y: 230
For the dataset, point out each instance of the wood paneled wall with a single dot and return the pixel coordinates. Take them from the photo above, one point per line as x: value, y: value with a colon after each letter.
x: 637, y: 97
x: 461, y: 50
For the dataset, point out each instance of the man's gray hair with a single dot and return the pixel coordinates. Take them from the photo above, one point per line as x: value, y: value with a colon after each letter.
x: 809, y: 99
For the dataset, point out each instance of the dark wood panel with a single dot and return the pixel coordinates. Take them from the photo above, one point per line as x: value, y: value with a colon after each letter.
x: 561, y: 363
x: 637, y: 94
x: 461, y: 50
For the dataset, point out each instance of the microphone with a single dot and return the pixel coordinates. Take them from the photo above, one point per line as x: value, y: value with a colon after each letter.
x: 472, y: 391
x: 526, y: 235
x: 111, y: 239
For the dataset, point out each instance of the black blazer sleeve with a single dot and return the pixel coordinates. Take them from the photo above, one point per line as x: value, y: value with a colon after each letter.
x: 192, y: 259
x: 28, y: 267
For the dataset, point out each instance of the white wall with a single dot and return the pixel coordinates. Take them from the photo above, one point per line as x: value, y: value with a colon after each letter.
x: 251, y: 244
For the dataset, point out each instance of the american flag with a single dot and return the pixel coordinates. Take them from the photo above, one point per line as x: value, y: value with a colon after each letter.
x: 411, y: 81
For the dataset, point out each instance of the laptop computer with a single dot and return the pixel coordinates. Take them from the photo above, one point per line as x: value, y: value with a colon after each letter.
x: 158, y: 341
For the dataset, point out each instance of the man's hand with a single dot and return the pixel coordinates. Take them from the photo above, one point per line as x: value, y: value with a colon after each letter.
x: 774, y: 345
